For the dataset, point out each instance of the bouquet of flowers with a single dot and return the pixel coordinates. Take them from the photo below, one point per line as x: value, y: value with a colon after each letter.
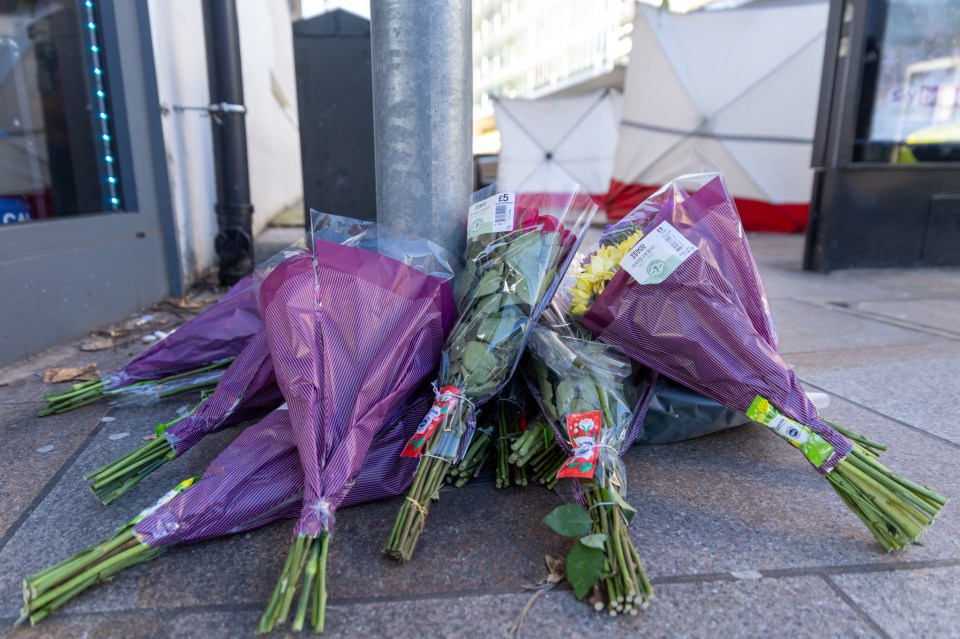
x: 518, y: 247
x: 594, y: 401
x: 687, y: 301
x: 255, y: 481
x: 191, y: 357
x: 354, y: 325
x: 247, y: 390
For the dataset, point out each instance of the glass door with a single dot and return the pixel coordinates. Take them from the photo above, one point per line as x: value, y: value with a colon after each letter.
x: 85, y: 227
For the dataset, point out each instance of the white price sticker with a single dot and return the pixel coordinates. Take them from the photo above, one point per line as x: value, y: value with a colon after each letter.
x: 492, y: 215
x: 657, y: 255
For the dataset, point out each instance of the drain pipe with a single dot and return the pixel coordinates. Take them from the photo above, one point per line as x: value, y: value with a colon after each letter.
x: 234, y: 241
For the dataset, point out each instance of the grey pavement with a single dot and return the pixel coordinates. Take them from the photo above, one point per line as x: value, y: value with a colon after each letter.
x: 740, y: 536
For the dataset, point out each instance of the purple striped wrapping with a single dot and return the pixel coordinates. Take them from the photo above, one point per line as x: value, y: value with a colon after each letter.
x: 219, y: 332
x: 352, y: 333
x: 247, y: 390
x: 258, y: 480
x: 695, y: 327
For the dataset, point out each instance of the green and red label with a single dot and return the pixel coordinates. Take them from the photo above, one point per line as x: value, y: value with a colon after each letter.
x: 446, y: 399
x: 583, y: 429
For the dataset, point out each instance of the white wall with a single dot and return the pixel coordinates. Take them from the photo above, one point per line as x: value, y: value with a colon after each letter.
x: 273, y: 145
x: 273, y: 134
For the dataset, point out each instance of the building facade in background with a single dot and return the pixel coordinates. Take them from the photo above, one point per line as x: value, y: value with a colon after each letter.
x: 534, y: 48
x: 107, y: 185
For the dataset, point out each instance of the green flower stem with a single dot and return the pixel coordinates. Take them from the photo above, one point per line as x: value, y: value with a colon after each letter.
x: 413, y: 512
x: 306, y: 561
x: 48, y: 590
x: 115, y: 479
x: 73, y: 390
x: 872, y: 447
x: 896, y: 510
x: 89, y: 392
x: 77, y: 390
x: 627, y: 587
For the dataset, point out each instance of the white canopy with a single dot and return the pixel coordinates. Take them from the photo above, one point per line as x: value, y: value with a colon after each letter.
x: 549, y: 143
x: 739, y: 85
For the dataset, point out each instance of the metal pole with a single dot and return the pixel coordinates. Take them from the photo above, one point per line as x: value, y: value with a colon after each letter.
x: 234, y: 242
x: 422, y: 111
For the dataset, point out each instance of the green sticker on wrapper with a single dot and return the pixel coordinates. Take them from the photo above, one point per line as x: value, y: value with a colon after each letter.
x: 813, y: 446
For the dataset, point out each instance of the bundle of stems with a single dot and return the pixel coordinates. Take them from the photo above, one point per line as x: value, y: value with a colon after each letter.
x: 247, y: 391
x: 896, y: 510
x: 112, y: 480
x: 624, y: 588
x: 473, y: 461
x: 85, y: 393
x: 47, y: 590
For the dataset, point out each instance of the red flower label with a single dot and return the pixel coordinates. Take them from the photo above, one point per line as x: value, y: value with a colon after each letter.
x: 446, y: 399
x: 583, y: 429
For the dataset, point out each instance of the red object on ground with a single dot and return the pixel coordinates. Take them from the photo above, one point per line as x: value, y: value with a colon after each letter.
x: 756, y: 215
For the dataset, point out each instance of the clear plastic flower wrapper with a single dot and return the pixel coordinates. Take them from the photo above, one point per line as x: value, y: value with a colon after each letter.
x: 686, y: 300
x: 208, y: 341
x: 257, y: 480
x: 594, y: 399
x: 248, y: 390
x: 518, y: 247
x: 355, y: 323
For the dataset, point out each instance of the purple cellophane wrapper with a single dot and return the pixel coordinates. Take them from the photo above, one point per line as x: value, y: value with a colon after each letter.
x: 217, y: 333
x: 694, y: 326
x: 352, y: 333
x: 258, y: 480
x: 247, y: 390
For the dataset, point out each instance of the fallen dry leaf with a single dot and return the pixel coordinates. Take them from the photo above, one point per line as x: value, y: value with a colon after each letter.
x: 84, y: 373
x: 96, y: 344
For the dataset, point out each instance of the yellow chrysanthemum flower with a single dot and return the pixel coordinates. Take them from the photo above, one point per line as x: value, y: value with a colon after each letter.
x: 601, y: 268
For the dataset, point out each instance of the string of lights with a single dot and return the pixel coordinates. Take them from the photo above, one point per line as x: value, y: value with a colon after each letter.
x: 102, y: 113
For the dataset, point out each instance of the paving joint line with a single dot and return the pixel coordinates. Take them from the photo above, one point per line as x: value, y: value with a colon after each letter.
x: 52, y: 483
x: 915, y: 429
x: 857, y: 609
x: 822, y: 572
x: 880, y: 319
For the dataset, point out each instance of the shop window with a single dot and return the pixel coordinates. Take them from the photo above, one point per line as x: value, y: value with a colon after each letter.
x: 909, y: 110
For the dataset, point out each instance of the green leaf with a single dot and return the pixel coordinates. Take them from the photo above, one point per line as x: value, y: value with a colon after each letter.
x: 595, y: 540
x: 584, y: 568
x: 569, y: 520
x: 629, y: 512
x: 490, y: 283
x: 474, y: 355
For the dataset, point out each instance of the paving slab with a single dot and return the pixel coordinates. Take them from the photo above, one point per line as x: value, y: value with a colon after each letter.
x: 69, y: 518
x: 795, y: 607
x: 920, y: 387
x: 804, y: 327
x: 908, y: 603
x: 34, y: 451
x: 936, y: 314
x: 744, y: 499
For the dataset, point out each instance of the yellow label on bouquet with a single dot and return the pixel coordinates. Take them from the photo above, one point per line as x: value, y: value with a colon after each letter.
x: 814, y: 447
